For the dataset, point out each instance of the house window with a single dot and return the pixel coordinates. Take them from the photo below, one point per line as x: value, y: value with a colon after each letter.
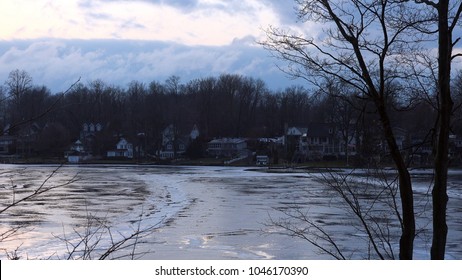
x: 169, y: 147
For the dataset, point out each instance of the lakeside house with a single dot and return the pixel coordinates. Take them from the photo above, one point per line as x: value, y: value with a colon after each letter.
x: 319, y: 141
x: 227, y: 147
x: 77, y: 153
x: 124, y: 149
x: 174, y: 144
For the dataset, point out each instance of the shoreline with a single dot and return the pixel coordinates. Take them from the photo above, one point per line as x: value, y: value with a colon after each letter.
x: 318, y: 166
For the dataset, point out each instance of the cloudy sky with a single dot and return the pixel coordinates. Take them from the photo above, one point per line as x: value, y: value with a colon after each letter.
x: 123, y: 40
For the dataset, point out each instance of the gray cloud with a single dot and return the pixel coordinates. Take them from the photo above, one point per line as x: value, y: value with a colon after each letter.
x: 58, y: 63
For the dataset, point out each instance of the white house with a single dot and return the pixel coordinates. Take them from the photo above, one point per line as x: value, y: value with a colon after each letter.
x: 124, y: 149
x: 77, y: 153
x: 227, y: 147
x: 77, y: 146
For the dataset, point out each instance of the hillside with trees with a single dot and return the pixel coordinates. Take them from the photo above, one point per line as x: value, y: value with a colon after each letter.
x: 44, y: 124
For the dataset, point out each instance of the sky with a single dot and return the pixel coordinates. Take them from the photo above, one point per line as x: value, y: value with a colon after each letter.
x: 118, y: 41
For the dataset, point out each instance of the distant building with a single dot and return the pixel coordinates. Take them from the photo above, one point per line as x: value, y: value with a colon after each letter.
x: 321, y: 141
x: 227, y: 147
x: 174, y: 148
x: 124, y: 149
x: 174, y: 144
x: 82, y: 148
x: 76, y: 153
x: 90, y: 129
x: 89, y: 135
x: 77, y: 146
x: 318, y: 141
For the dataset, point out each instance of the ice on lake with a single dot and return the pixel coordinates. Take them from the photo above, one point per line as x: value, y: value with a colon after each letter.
x: 195, y: 212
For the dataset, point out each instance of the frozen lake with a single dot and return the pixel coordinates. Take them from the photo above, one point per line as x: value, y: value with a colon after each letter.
x: 195, y: 212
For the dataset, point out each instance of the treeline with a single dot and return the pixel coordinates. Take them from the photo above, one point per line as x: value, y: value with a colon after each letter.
x: 224, y: 106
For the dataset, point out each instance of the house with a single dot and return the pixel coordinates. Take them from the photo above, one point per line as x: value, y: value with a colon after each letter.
x: 174, y: 148
x: 77, y: 146
x: 170, y: 147
x: 89, y: 135
x: 90, y: 129
x: 296, y: 131
x: 83, y: 148
x: 322, y: 141
x: 227, y: 147
x: 76, y: 153
x: 174, y: 144
x: 124, y: 149
x: 318, y: 141
x: 168, y: 134
x: 22, y: 140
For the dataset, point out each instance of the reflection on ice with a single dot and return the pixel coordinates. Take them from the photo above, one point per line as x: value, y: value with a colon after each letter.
x: 197, y: 212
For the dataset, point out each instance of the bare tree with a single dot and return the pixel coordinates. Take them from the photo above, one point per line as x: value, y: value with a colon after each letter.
x: 362, y: 41
x: 369, y: 196
x: 97, y: 240
x: 23, y: 86
x: 18, y: 82
x: 19, y: 198
x: 447, y: 14
x: 365, y: 44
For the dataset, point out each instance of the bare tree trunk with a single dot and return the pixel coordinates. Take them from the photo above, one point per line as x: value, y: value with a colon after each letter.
x: 406, y: 241
x: 439, y: 193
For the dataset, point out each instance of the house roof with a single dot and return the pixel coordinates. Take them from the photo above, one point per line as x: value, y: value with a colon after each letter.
x: 296, y: 131
x: 227, y: 141
x: 122, y: 140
